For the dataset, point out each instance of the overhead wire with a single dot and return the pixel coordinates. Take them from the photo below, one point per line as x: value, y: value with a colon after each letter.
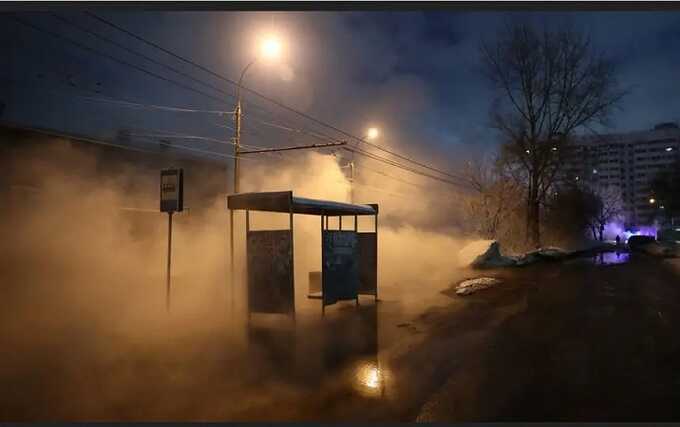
x: 355, y: 149
x: 117, y: 101
x: 110, y: 57
x: 140, y: 55
x: 262, y: 96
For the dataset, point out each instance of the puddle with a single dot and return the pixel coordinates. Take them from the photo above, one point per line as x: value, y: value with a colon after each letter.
x: 606, y: 258
x: 369, y: 379
x: 611, y: 258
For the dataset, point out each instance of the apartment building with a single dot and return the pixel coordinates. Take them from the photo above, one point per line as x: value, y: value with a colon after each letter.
x: 627, y: 162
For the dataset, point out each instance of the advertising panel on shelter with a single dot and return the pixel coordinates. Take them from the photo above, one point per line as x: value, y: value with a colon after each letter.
x: 270, y: 272
x: 368, y: 265
x: 340, y: 266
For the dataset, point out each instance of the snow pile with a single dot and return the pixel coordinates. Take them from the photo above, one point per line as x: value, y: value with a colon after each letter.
x: 487, y: 254
x: 542, y: 254
x: 484, y: 254
x: 469, y: 286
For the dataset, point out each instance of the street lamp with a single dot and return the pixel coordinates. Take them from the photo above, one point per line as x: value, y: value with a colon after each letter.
x: 270, y: 49
x: 652, y: 201
x: 372, y: 133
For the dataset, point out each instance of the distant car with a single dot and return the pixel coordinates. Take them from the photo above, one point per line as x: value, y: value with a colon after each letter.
x: 635, y: 242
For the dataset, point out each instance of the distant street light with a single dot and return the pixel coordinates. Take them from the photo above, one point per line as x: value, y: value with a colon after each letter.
x: 652, y: 201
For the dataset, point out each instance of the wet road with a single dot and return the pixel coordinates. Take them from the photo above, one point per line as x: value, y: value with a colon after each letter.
x: 582, y: 340
x: 564, y: 342
x: 587, y: 343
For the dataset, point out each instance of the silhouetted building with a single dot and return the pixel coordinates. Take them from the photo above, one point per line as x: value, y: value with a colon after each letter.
x: 628, y: 162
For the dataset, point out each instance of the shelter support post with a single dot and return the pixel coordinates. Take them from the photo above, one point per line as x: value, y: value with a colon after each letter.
x: 376, y: 259
x: 232, y: 275
x: 323, y: 305
x: 292, y: 256
x: 247, y: 231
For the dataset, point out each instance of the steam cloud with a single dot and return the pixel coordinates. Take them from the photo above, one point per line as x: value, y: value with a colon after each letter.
x: 84, y: 285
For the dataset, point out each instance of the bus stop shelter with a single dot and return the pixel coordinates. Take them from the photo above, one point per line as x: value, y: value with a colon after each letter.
x: 349, y: 258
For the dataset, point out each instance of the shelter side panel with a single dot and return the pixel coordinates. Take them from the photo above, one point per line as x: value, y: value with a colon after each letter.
x: 368, y: 263
x: 270, y: 288
x: 340, y: 266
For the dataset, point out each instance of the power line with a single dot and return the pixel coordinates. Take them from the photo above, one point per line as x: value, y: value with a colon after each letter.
x: 153, y: 106
x: 297, y: 147
x: 138, y: 68
x: 113, y: 58
x: 392, y: 177
x: 171, y: 135
x: 375, y: 156
x: 197, y: 150
x: 262, y: 96
x: 141, y: 55
x: 415, y: 171
x: 370, y: 155
x: 118, y: 101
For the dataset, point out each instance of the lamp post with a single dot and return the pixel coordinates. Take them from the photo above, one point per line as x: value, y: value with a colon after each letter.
x: 270, y: 49
x: 371, y: 133
x: 237, y: 120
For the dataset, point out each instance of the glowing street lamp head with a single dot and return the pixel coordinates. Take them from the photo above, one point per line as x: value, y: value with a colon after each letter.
x: 372, y: 133
x: 270, y: 48
x: 652, y: 200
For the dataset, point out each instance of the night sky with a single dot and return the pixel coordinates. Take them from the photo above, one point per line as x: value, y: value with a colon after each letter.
x: 415, y: 75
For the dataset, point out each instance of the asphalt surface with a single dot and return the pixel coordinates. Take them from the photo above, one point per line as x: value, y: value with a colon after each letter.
x: 572, y: 341
x: 587, y: 343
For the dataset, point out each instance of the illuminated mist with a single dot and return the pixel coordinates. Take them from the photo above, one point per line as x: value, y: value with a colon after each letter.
x: 84, y: 288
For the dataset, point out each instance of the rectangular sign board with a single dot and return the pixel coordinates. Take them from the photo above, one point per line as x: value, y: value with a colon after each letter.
x: 172, y: 190
x: 368, y: 263
x: 340, y: 275
x: 270, y: 272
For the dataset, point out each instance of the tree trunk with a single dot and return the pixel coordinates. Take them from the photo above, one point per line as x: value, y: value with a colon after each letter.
x: 601, y: 233
x: 535, y: 224
x: 592, y: 228
x: 533, y: 215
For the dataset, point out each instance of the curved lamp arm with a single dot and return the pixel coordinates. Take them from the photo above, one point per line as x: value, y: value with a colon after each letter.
x: 240, y: 80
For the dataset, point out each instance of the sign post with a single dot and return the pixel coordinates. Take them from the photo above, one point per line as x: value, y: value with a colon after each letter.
x: 172, y: 200
x: 167, y: 271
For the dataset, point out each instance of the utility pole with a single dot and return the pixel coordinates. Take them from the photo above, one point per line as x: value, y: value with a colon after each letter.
x: 351, y: 180
x: 238, y: 113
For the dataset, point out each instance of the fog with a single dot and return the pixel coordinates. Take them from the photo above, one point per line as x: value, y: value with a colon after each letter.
x: 84, y: 283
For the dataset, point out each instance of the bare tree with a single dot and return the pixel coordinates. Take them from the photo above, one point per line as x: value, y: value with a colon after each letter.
x: 608, y: 207
x: 549, y: 84
x: 494, y: 199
